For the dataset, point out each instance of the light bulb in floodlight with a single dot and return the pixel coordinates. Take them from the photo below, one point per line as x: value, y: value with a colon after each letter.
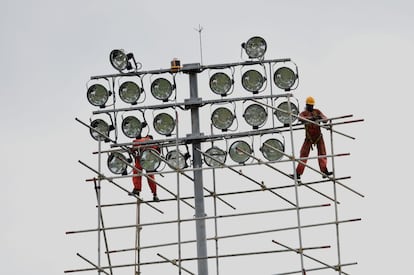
x: 272, y: 149
x: 97, y: 95
x: 282, y: 112
x: 255, y: 47
x: 284, y: 78
x: 252, y: 81
x: 164, y: 124
x: 215, y: 157
x: 119, y: 60
x: 222, y: 118
x: 129, y: 92
x: 255, y: 115
x: 131, y: 127
x: 102, y: 127
x: 161, y: 89
x: 239, y: 151
x: 220, y: 83
x: 176, y: 160
x: 150, y: 160
x: 117, y: 163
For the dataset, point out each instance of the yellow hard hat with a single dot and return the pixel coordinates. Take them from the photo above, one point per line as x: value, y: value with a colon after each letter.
x: 310, y: 100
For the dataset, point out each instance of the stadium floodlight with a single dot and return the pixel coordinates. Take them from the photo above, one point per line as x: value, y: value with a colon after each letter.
x: 222, y: 118
x: 283, y: 115
x: 252, y: 81
x: 102, y: 127
x: 98, y: 95
x: 239, y: 151
x: 255, y: 115
x: 255, y: 47
x: 161, y: 89
x: 150, y: 160
x: 132, y: 126
x: 120, y: 60
x: 177, y: 160
x: 220, y: 83
x: 272, y: 149
x: 284, y: 78
x: 214, y: 157
x: 164, y: 124
x: 117, y: 163
x: 129, y: 92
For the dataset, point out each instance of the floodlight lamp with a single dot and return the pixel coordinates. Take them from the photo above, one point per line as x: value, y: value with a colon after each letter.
x: 239, y: 151
x: 161, y: 89
x: 284, y: 78
x: 272, y: 149
x: 283, y: 115
x: 252, y: 81
x: 150, y: 160
x: 255, y: 115
x: 132, y: 126
x: 129, y: 92
x: 119, y: 60
x: 176, y: 160
x: 164, y: 124
x: 215, y: 157
x: 220, y: 83
x: 222, y: 118
x: 98, y: 95
x: 255, y: 47
x: 99, y: 125
x: 117, y: 163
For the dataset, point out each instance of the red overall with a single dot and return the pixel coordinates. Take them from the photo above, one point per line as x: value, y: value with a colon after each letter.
x: 313, y: 136
x: 137, y: 179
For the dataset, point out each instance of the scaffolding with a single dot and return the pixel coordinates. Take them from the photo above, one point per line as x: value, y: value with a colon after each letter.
x: 255, y: 215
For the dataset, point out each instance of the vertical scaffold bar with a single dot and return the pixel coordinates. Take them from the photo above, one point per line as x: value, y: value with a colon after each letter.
x: 198, y: 177
x: 138, y: 240
x: 178, y: 199
x: 98, y: 190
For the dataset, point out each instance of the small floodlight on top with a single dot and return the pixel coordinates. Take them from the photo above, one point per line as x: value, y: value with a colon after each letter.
x: 284, y: 78
x: 121, y: 60
x: 255, y: 47
x: 98, y: 95
x: 162, y: 89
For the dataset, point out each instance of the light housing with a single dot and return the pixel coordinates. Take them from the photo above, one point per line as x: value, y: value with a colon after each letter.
x: 101, y: 126
x: 215, y: 157
x: 255, y: 115
x: 272, y: 149
x: 132, y: 126
x: 238, y: 151
x: 98, y: 95
x: 255, y: 47
x: 117, y: 163
x: 177, y: 160
x: 161, y: 89
x: 284, y: 78
x: 164, y: 124
x: 220, y: 83
x: 120, y: 60
x: 222, y: 118
x: 150, y: 160
x: 252, y: 81
x: 284, y: 116
x: 129, y: 92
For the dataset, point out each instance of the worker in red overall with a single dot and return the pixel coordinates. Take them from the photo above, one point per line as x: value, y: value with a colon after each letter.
x: 137, y: 178
x: 313, y: 137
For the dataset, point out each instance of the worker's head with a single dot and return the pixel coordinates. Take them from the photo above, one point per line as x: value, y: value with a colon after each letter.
x: 310, y: 101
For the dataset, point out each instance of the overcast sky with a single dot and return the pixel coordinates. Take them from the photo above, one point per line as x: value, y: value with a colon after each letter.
x: 354, y: 57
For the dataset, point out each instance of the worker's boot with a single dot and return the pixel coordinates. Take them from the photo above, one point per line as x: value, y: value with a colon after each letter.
x: 326, y: 174
x: 155, y: 198
x: 135, y: 191
x: 297, y: 176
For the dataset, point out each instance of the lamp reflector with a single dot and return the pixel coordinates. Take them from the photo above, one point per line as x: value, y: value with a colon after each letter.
x: 215, y: 157
x: 118, y: 59
x: 272, y: 149
x: 252, y: 81
x: 150, y: 160
x: 117, y: 163
x: 238, y: 151
x: 255, y: 115
x: 161, y: 89
x: 220, y: 83
x: 222, y: 118
x: 255, y: 47
x: 283, y: 113
x: 176, y: 160
x: 131, y: 127
x: 129, y: 92
x: 102, y: 127
x: 284, y: 78
x: 164, y: 124
x: 97, y: 95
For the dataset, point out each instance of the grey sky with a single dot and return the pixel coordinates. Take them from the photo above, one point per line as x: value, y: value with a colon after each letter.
x: 354, y: 57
